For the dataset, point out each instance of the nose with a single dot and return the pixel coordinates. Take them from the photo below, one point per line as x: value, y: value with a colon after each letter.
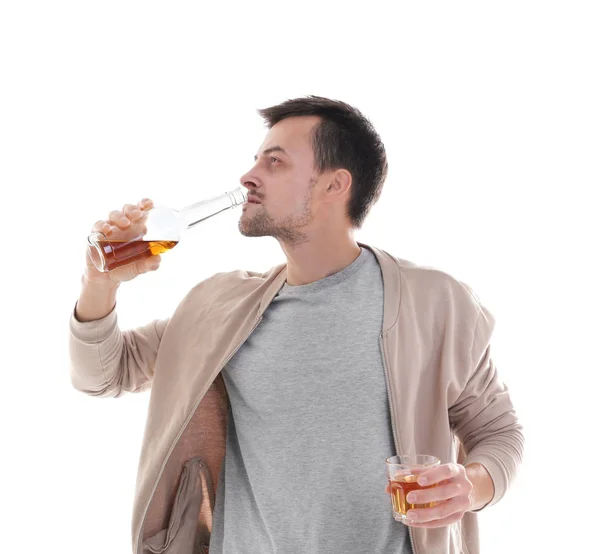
x: 249, y: 181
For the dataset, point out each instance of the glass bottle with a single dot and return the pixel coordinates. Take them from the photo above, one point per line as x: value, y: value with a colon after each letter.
x: 157, y: 231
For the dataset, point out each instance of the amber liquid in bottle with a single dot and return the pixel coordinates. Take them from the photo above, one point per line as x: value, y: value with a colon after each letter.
x: 164, y: 225
x: 120, y: 253
x: 401, y: 488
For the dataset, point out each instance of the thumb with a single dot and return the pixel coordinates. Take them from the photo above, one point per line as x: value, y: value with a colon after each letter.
x: 142, y: 266
x: 151, y: 264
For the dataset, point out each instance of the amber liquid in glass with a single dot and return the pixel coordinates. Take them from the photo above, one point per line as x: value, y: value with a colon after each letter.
x: 120, y: 253
x: 400, y: 488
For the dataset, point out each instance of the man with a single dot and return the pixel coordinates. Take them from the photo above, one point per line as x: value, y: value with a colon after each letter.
x: 277, y: 397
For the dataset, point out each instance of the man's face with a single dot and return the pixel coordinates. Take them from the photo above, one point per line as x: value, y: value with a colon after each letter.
x: 283, y: 179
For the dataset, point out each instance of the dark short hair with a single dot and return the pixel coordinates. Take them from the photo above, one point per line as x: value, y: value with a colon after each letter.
x: 343, y: 139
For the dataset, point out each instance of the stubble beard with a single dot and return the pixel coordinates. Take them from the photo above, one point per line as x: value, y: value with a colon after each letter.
x: 288, y: 231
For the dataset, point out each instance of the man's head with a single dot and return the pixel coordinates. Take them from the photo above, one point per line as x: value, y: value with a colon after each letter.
x: 319, y: 170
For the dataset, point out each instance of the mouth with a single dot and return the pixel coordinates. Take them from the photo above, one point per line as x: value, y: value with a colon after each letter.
x: 252, y: 200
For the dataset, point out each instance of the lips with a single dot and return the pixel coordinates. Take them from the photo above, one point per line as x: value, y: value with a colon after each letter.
x: 253, y: 200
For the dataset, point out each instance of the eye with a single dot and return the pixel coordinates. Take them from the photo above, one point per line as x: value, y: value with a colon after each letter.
x: 274, y: 159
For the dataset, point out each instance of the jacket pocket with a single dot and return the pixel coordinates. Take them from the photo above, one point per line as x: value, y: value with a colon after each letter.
x: 184, y: 534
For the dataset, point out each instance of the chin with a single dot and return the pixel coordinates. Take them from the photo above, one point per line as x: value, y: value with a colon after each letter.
x: 249, y: 230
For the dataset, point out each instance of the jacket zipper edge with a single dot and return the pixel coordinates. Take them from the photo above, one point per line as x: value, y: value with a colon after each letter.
x: 395, y: 433
x: 185, y: 424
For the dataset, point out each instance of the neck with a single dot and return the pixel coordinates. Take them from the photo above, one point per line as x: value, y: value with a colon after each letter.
x: 316, y: 259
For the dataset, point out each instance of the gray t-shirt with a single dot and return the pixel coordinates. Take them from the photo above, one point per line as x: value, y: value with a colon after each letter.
x: 309, y: 426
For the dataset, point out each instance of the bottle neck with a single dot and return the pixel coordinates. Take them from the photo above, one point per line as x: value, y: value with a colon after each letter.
x: 196, y: 213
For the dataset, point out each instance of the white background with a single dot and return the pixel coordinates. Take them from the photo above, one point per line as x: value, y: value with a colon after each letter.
x: 490, y: 116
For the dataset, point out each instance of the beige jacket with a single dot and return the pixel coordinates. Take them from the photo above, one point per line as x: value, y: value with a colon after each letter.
x: 445, y: 395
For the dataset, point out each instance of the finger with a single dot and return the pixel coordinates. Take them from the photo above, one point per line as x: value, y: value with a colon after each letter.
x: 440, y: 511
x: 132, y: 212
x: 440, y: 473
x: 118, y: 219
x: 145, y: 204
x: 101, y: 226
x: 439, y: 493
x: 135, y: 214
x: 438, y: 522
x: 153, y: 263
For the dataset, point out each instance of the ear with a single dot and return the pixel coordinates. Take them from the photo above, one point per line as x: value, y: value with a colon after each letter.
x: 340, y: 184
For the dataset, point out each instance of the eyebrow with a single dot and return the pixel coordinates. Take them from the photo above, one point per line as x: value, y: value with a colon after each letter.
x: 272, y: 149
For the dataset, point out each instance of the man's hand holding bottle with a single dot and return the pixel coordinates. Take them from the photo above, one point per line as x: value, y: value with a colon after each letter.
x: 98, y: 294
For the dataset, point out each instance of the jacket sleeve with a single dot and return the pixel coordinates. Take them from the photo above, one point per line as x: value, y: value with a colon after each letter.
x: 483, y: 417
x: 105, y: 361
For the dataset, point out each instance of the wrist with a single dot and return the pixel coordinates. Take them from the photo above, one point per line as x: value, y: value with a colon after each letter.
x: 483, y: 486
x: 97, y: 299
x: 93, y: 283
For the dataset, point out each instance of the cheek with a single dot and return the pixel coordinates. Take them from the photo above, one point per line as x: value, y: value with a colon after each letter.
x: 298, y: 192
x: 286, y: 193
x: 286, y: 196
